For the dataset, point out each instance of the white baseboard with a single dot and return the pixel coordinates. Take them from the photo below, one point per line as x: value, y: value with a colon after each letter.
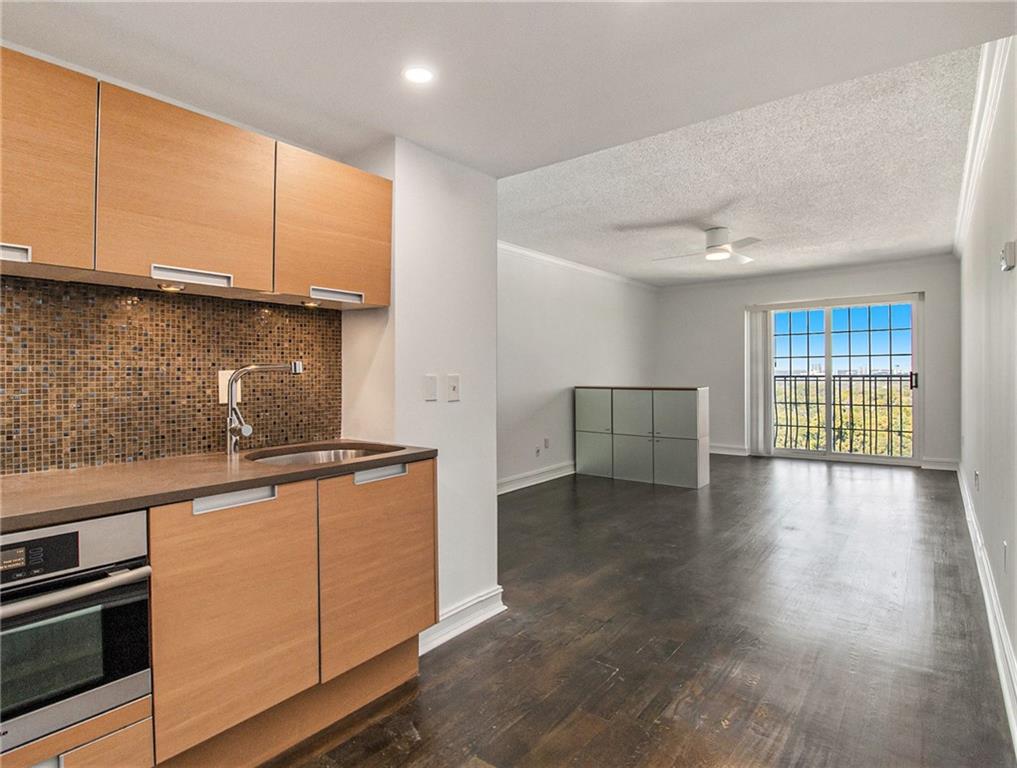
x: 729, y: 450
x: 536, y: 476
x: 1002, y: 646
x: 462, y: 616
x: 950, y: 465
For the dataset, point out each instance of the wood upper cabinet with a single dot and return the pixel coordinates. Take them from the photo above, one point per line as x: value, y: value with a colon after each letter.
x: 234, y: 610
x: 333, y: 229
x: 182, y: 191
x: 377, y: 561
x: 47, y: 161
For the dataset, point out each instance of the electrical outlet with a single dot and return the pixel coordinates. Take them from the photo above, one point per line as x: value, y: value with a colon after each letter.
x: 538, y: 451
x: 224, y: 387
x: 978, y: 481
x: 547, y: 442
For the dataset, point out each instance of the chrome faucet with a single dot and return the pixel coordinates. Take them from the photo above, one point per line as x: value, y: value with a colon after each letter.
x: 236, y: 427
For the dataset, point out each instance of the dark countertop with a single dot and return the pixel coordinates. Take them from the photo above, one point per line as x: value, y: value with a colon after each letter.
x: 37, y: 499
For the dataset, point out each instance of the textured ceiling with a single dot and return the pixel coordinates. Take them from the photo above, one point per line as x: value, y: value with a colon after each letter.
x: 519, y: 85
x: 861, y: 171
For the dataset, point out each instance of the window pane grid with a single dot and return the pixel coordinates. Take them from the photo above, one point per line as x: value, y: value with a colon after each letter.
x: 870, y: 380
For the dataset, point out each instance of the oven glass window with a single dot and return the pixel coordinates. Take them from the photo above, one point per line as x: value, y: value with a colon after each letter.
x: 70, y: 649
x: 71, y: 659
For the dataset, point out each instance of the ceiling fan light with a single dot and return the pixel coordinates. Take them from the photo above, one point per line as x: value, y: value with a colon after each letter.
x: 718, y: 252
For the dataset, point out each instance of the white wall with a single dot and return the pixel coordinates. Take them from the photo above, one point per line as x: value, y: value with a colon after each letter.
x: 989, y: 386
x: 702, y: 339
x: 559, y: 325
x: 442, y: 320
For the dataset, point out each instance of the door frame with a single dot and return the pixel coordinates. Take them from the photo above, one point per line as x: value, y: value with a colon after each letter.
x: 917, y: 301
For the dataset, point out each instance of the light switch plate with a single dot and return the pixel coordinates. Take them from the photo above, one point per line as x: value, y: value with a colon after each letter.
x: 430, y: 387
x: 454, y: 387
x: 224, y: 391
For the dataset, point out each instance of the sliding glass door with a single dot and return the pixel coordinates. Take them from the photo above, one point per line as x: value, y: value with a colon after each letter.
x: 844, y: 379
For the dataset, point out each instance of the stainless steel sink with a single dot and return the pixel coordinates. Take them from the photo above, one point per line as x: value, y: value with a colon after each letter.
x: 320, y: 454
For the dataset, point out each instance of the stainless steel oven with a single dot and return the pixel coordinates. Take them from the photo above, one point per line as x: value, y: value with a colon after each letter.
x: 73, y: 624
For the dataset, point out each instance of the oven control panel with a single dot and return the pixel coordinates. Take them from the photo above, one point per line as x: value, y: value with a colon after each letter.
x: 28, y: 559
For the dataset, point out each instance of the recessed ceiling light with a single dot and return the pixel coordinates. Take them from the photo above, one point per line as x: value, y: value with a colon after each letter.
x: 418, y: 75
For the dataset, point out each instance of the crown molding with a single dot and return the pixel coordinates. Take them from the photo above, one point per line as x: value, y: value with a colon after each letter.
x: 991, y: 71
x: 549, y: 259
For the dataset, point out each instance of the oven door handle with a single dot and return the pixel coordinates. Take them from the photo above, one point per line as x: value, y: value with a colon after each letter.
x: 49, y: 599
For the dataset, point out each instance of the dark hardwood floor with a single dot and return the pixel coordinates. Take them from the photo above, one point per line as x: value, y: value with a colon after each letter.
x: 792, y: 613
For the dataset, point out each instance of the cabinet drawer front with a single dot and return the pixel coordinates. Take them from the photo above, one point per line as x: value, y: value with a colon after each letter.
x: 234, y: 612
x: 377, y: 560
x: 182, y: 191
x: 130, y: 747
x: 333, y: 229
x: 633, y: 411
x: 48, y: 160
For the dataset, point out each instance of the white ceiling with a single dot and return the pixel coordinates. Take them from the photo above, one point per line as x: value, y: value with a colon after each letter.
x: 519, y: 85
x: 850, y: 173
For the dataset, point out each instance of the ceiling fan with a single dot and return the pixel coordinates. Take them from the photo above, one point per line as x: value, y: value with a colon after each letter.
x: 720, y: 247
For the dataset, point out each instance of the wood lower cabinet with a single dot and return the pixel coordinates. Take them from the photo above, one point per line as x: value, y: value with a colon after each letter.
x: 182, y: 194
x: 234, y: 610
x: 377, y: 561
x: 333, y: 238
x: 47, y: 162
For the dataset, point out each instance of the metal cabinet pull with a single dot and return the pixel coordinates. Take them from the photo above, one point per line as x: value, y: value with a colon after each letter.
x: 76, y: 592
x: 336, y: 294
x: 381, y: 473
x: 187, y: 275
x: 232, y: 499
x: 13, y: 252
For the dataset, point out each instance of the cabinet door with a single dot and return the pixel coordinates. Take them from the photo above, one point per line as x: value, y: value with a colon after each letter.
x: 593, y: 454
x: 633, y: 412
x: 333, y: 236
x: 676, y: 413
x: 593, y: 410
x: 674, y: 462
x: 234, y: 609
x: 378, y: 565
x: 47, y: 162
x: 633, y: 458
x: 182, y: 197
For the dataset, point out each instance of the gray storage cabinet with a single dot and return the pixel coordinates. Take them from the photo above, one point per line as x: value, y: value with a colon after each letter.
x: 644, y: 434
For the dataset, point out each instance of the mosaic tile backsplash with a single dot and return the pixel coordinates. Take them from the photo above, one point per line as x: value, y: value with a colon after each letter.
x: 96, y: 374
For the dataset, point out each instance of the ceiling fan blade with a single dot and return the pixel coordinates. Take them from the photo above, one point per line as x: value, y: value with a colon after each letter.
x: 745, y: 242
x: 652, y: 225
x: 738, y: 258
x: 681, y: 256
